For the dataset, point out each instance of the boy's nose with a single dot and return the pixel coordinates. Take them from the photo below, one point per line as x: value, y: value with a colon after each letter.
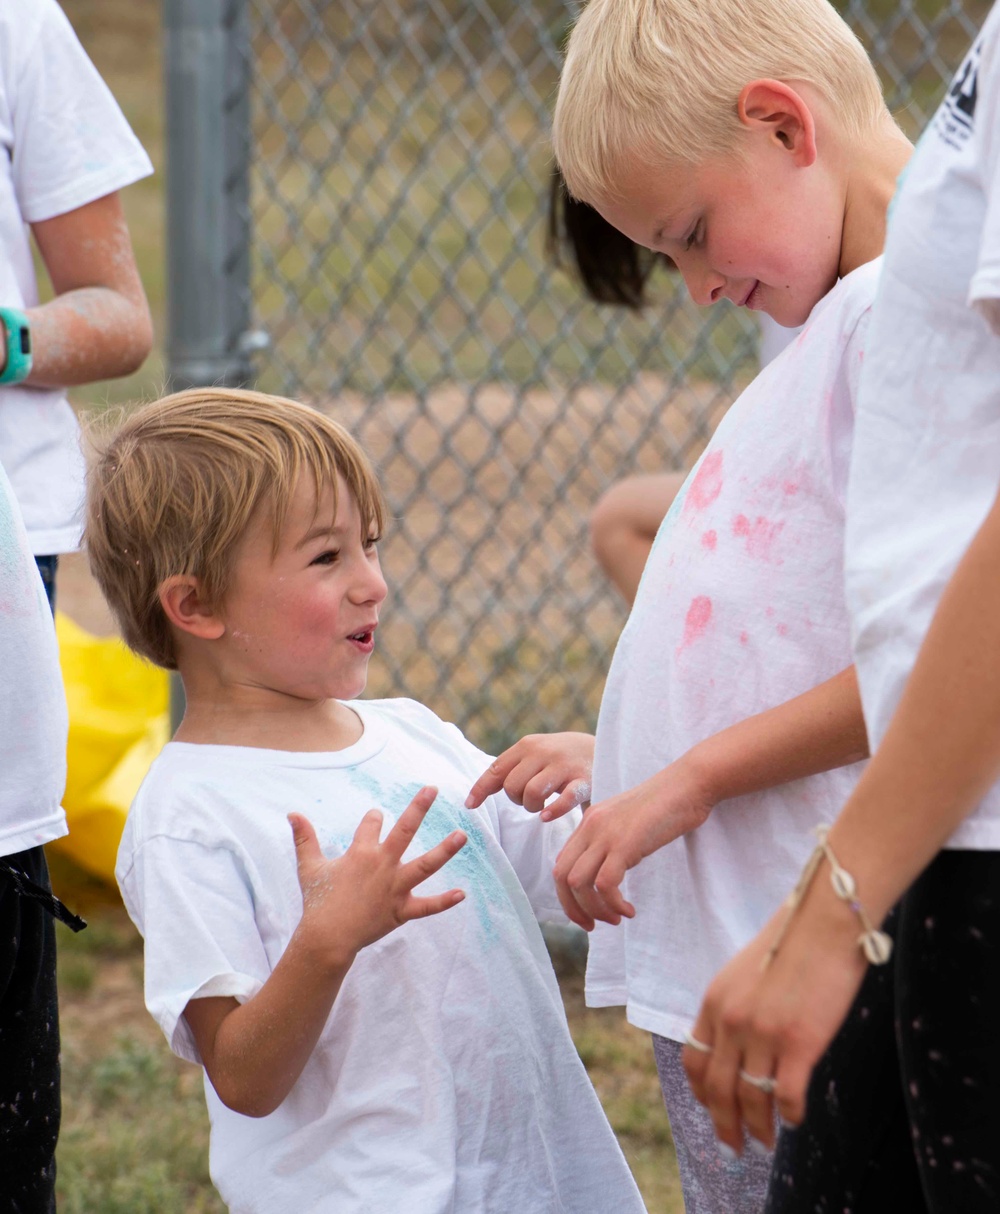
x: 704, y: 285
x: 374, y: 588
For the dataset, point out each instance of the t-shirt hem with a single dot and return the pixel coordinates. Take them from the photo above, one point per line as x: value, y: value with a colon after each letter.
x: 598, y: 994
x: 55, y: 542
x: 975, y: 836
x: 663, y: 1024
x: 81, y: 192
x: 984, y: 286
x: 44, y: 830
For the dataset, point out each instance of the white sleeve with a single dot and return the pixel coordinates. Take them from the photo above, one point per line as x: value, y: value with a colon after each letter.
x: 532, y: 847
x: 71, y: 142
x: 194, y: 907
x: 984, y: 289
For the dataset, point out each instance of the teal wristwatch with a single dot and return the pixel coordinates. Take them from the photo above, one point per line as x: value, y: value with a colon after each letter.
x: 17, y: 329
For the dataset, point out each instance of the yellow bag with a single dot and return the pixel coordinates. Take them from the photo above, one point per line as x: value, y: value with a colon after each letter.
x: 119, y: 720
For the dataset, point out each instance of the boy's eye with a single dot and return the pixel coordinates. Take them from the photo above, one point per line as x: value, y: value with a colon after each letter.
x: 372, y: 542
x: 326, y: 558
x: 694, y: 237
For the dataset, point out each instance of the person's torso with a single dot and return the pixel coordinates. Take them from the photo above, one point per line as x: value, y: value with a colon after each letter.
x: 33, y: 720
x: 740, y: 608
x: 445, y: 1078
x: 926, y: 466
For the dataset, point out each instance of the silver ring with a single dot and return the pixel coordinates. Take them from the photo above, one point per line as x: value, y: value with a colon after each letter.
x: 695, y: 1044
x: 764, y: 1083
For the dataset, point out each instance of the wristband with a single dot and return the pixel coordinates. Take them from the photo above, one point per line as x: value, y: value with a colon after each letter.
x: 17, y: 329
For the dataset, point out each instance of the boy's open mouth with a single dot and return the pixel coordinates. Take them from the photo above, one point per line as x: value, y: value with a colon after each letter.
x: 365, y: 637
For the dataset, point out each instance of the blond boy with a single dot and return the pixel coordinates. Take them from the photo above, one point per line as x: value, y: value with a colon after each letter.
x: 355, y: 1061
x: 748, y: 141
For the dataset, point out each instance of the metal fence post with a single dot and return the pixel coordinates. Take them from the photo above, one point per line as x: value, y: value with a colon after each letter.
x: 207, y: 64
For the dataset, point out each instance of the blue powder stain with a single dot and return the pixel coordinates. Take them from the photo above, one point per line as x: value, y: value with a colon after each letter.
x: 471, y: 867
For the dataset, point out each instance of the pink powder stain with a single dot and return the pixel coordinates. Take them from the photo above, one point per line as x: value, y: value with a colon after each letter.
x: 709, y: 540
x: 769, y: 612
x: 790, y: 488
x: 760, y: 535
x: 707, y: 484
x: 697, y: 620
x: 782, y: 630
x: 744, y: 638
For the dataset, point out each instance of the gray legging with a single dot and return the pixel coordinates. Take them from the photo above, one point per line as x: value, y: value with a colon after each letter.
x: 711, y: 1184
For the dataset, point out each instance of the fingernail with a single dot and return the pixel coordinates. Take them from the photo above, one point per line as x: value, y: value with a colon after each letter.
x: 787, y: 1125
x: 546, y: 816
x: 758, y: 1148
x: 727, y: 1152
x: 468, y: 801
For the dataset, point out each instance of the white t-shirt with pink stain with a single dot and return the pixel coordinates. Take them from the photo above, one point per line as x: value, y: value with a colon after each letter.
x: 741, y: 607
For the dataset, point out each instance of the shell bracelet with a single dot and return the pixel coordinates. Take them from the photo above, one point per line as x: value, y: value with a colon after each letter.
x: 876, y: 945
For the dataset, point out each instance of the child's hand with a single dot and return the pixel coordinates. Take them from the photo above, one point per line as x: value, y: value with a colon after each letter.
x: 366, y: 893
x: 616, y: 834
x: 534, y: 768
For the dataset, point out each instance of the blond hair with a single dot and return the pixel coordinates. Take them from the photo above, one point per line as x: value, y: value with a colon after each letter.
x: 660, y: 79
x: 174, y: 487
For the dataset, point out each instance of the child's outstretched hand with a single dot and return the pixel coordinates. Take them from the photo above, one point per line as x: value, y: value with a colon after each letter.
x: 533, y: 769
x: 616, y: 834
x: 367, y: 892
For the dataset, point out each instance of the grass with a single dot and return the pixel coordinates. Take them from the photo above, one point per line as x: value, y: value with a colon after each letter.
x: 135, y: 1131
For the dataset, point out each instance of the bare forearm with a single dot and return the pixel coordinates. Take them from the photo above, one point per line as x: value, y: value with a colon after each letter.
x: 261, y: 1047
x: 97, y: 326
x: 88, y: 334
x: 941, y: 752
x: 815, y: 732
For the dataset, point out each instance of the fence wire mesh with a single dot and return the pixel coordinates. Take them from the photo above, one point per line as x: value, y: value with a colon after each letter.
x: 399, y: 181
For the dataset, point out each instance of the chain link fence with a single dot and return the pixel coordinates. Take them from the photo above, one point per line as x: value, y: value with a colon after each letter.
x: 374, y: 202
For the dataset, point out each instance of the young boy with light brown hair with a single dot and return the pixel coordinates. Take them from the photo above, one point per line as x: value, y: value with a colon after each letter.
x: 748, y: 141
x: 355, y: 1060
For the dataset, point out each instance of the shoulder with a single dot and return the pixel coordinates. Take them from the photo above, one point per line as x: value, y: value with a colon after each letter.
x: 186, y: 793
x: 408, y: 722
x: 31, y: 33
x: 851, y: 300
x: 400, y: 713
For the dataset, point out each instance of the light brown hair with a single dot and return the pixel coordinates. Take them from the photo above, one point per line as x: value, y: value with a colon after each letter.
x: 174, y: 486
x: 658, y: 80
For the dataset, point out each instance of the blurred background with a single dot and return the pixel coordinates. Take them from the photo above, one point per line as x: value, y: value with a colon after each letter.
x: 350, y: 207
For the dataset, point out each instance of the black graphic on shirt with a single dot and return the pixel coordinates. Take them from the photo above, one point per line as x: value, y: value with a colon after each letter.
x: 954, y: 119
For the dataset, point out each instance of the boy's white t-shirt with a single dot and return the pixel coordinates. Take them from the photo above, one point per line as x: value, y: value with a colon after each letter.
x: 65, y: 143
x: 740, y: 608
x: 33, y: 721
x: 926, y: 465
x: 445, y: 1079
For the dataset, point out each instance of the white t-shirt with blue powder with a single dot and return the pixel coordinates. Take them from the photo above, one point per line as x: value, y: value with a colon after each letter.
x: 741, y: 607
x: 445, y: 1080
x: 926, y: 465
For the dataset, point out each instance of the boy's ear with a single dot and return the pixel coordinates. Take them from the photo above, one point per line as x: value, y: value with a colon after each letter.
x: 776, y: 109
x: 185, y: 606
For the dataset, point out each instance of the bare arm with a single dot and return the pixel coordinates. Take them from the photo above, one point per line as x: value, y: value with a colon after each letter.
x: 98, y: 325
x: 817, y: 731
x: 254, y: 1052
x: 940, y: 755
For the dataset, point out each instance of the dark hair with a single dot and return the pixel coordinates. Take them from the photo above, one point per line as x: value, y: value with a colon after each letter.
x: 611, y: 267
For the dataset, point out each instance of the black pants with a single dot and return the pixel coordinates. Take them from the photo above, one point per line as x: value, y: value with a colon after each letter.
x: 29, y: 1045
x: 903, y: 1112
x: 47, y: 567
